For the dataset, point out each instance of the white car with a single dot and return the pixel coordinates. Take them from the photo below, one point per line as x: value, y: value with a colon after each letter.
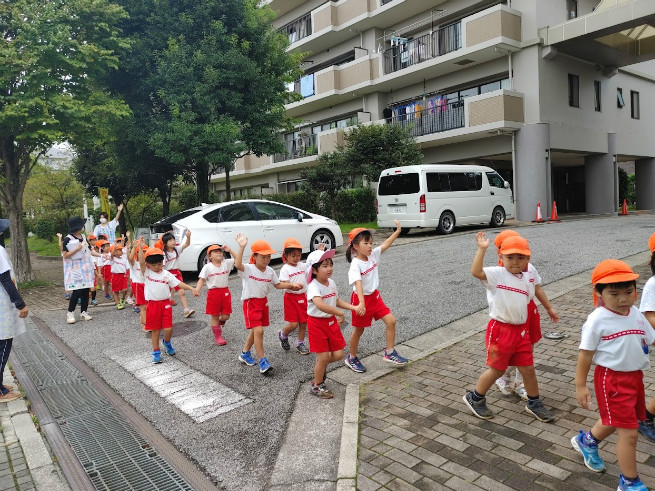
x: 219, y: 223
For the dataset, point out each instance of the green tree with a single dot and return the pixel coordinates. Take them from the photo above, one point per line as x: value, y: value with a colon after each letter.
x: 56, y: 56
x: 222, y: 85
x: 370, y: 149
x: 328, y: 177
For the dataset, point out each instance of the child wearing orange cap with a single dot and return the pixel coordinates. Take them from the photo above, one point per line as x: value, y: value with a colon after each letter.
x: 295, y: 302
x: 136, y: 276
x: 257, y: 278
x: 615, y: 337
x: 172, y: 253
x: 507, y: 339
x: 157, y: 292
x: 118, y: 275
x: 647, y: 307
x: 363, y: 276
x: 105, y: 266
x: 505, y: 383
x: 219, y: 299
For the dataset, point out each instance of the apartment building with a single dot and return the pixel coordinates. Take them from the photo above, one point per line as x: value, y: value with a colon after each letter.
x: 553, y: 94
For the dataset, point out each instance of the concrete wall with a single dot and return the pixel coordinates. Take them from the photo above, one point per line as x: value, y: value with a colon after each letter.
x: 492, y: 25
x: 496, y: 108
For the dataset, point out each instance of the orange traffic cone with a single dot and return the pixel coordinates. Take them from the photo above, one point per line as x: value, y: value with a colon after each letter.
x: 553, y: 215
x: 624, y: 208
x: 539, y: 218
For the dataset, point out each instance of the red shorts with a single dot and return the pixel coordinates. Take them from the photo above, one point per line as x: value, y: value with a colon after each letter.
x: 219, y: 301
x: 255, y: 312
x: 375, y: 309
x: 139, y: 297
x: 159, y: 315
x: 178, y: 274
x: 508, y: 345
x: 534, y: 322
x: 295, y: 307
x: 620, y: 397
x: 324, y: 334
x: 118, y: 282
x: 106, y: 272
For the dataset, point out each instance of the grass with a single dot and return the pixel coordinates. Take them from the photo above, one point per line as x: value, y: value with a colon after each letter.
x: 33, y: 284
x: 43, y: 247
x: 347, y: 227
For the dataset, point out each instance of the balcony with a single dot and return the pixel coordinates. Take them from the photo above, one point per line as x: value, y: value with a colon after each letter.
x: 442, y: 117
x: 297, y: 29
x: 297, y: 148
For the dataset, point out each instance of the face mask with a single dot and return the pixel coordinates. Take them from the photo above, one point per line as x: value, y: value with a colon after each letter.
x: 103, y: 220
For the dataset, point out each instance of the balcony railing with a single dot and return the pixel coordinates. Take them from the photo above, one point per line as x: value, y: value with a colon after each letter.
x: 442, y: 117
x: 296, y: 148
x: 438, y: 43
x: 298, y: 29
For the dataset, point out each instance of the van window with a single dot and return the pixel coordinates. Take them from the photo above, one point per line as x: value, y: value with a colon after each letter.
x: 465, y: 181
x: 495, y: 180
x: 398, y: 184
x: 437, y: 182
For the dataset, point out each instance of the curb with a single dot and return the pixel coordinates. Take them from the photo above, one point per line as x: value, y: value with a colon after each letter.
x: 456, y: 331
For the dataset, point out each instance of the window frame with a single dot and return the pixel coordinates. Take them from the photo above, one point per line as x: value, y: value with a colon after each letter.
x: 635, y: 112
x: 620, y: 101
x: 571, y: 9
x: 574, y: 90
x: 236, y: 205
x: 598, y: 106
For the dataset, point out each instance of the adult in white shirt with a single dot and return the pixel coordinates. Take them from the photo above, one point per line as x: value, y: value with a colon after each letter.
x: 107, y: 228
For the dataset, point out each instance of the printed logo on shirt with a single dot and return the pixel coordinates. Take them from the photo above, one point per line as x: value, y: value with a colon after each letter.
x: 266, y: 280
x: 511, y: 289
x: 623, y: 333
x: 329, y: 295
x: 296, y: 274
x: 155, y: 280
x: 217, y: 274
x: 375, y: 265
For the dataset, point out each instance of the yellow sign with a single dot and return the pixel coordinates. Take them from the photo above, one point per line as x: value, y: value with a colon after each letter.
x: 104, y: 201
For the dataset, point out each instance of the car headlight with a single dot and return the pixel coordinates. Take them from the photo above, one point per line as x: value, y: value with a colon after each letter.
x: 333, y: 222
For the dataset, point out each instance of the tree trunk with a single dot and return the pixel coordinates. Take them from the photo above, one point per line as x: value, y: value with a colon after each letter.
x: 228, y: 189
x: 202, y: 182
x: 165, y: 196
x: 18, y: 251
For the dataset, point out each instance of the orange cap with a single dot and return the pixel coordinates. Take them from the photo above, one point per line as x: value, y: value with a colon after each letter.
x: 90, y: 237
x: 100, y: 243
x: 136, y: 250
x: 154, y: 251
x: 611, y: 271
x: 159, y: 245
x: 651, y: 243
x: 214, y: 248
x: 498, y: 240
x: 260, y: 247
x: 355, y: 232
x: 515, y: 245
x: 290, y: 243
x: 115, y: 247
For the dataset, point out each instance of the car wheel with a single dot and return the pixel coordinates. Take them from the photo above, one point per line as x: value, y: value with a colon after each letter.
x: 497, y: 217
x: 322, y: 237
x: 446, y: 223
x: 404, y: 231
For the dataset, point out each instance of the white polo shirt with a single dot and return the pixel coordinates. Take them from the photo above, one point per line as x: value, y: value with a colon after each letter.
x: 158, y: 285
x: 256, y: 283
x: 366, y: 271
x: 618, y: 340
x: 295, y: 274
x: 217, y: 276
x: 327, y: 293
x: 510, y: 295
x: 172, y: 258
x: 105, y: 260
x: 648, y: 296
x: 533, y: 277
x: 135, y: 272
x: 118, y: 264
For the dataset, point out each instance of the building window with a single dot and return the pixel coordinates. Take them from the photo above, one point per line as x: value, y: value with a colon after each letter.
x: 571, y: 9
x: 634, y: 104
x: 574, y: 90
x: 597, y: 95
x: 619, y: 98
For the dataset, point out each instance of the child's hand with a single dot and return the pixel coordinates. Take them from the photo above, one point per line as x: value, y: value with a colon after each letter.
x: 58, y: 234
x: 241, y: 239
x: 188, y: 234
x: 361, y: 310
x: 583, y: 396
x: 296, y: 287
x: 397, y: 223
x: 481, y: 241
x: 226, y: 248
x: 553, y: 314
x: 340, y: 318
x: 120, y: 207
x: 320, y: 247
x: 128, y: 234
x: 195, y: 292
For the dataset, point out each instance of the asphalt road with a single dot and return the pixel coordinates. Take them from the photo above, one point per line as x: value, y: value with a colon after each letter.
x: 425, y: 281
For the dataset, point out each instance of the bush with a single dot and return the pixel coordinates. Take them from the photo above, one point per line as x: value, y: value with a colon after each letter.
x: 45, y: 228
x: 623, y: 185
x: 356, y: 205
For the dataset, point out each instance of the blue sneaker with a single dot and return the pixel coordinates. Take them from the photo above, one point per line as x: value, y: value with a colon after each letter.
x: 647, y: 428
x: 354, y: 364
x: 68, y: 296
x: 394, y: 358
x: 170, y: 351
x: 94, y: 302
x: 107, y: 297
x: 79, y: 301
x: 156, y: 356
x: 136, y: 309
x: 631, y: 486
x: 589, y: 452
x: 264, y: 366
x: 247, y: 359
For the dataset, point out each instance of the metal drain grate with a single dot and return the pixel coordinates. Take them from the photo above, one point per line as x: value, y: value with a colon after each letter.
x: 114, y: 455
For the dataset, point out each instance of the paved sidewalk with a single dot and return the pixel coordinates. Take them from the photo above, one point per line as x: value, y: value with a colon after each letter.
x: 415, y: 432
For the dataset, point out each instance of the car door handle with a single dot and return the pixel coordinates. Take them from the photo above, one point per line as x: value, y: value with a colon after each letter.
x: 492, y: 193
x: 269, y: 229
x: 226, y: 230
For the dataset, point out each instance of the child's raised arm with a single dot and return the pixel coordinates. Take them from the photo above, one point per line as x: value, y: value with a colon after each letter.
x: 387, y: 243
x: 142, y: 259
x: 478, y: 261
x: 242, y: 240
x: 188, y: 240
x: 582, y: 393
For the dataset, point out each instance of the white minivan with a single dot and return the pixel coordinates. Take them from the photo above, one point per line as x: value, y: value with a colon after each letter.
x: 442, y: 196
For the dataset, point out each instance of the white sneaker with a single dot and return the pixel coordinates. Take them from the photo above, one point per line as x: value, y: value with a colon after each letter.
x: 521, y: 392
x: 504, y: 385
x: 85, y: 317
x: 70, y: 318
x: 130, y: 301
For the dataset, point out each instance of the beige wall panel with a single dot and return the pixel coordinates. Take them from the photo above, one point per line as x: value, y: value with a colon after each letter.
x: 499, y: 108
x: 327, y: 81
x: 511, y: 25
x: 351, y: 9
x: 355, y: 74
x: 330, y: 141
x: 324, y: 18
x: 493, y: 25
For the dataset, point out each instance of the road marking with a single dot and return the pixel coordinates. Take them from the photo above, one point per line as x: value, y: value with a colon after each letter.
x: 192, y: 392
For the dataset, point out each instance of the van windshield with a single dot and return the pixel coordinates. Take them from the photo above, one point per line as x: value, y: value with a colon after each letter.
x: 398, y: 184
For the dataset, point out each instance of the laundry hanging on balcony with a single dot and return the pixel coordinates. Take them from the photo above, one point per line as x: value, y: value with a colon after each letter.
x: 307, y: 85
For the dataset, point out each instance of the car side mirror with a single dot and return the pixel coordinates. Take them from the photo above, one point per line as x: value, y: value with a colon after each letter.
x: 299, y: 217
x: 506, y: 184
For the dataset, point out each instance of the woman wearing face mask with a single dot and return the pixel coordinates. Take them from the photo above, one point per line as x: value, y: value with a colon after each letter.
x: 108, y: 228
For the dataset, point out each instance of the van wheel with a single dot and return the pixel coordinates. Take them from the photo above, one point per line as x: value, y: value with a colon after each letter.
x: 404, y: 231
x: 497, y: 217
x: 446, y: 223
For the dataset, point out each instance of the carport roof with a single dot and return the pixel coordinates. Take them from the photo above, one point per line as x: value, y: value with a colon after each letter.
x: 617, y: 33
